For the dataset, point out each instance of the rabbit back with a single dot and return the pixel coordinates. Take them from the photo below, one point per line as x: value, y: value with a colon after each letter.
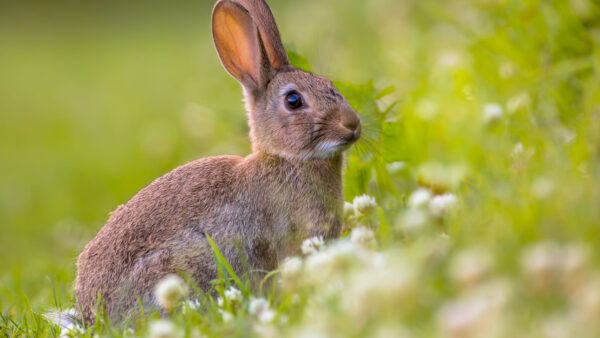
x: 257, y: 210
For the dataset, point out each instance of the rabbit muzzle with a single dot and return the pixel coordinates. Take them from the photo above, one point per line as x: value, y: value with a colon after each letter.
x: 350, y: 125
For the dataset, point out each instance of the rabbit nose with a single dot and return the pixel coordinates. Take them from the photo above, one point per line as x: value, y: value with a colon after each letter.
x: 351, y: 121
x: 351, y: 124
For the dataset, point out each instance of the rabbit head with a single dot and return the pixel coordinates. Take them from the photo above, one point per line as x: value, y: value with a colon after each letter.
x: 292, y: 113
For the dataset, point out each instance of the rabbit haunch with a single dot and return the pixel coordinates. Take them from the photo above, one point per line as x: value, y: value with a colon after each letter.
x: 257, y: 209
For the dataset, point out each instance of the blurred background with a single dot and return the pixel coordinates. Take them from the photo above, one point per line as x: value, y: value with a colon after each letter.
x: 99, y: 98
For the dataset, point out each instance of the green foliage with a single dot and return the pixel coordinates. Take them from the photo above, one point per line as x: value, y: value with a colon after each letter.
x: 480, y: 146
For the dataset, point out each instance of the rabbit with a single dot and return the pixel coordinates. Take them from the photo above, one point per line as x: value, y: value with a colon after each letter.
x: 257, y: 209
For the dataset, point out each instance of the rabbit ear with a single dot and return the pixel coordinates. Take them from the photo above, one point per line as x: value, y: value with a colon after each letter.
x: 264, y: 20
x: 248, y: 41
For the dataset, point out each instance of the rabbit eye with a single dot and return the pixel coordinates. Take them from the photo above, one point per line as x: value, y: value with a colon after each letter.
x: 293, y: 100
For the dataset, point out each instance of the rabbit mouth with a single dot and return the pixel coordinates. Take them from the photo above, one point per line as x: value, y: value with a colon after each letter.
x: 327, y: 149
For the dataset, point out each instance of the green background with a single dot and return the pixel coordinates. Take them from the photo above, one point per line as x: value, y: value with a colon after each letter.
x: 98, y: 99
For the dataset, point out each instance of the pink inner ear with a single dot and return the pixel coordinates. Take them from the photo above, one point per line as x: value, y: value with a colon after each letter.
x: 236, y: 37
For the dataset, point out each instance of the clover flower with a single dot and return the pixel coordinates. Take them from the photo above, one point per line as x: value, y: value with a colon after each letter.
x: 191, y: 305
x: 71, y: 330
x: 540, y: 263
x: 413, y: 220
x: 163, y: 329
x: 226, y: 316
x: 419, y: 198
x: 327, y: 266
x: 291, y: 267
x: 260, y: 308
x: 349, y: 210
x: 363, y: 236
x: 319, y: 267
x: 442, y: 204
x: 470, y: 266
x: 312, y: 245
x: 233, y: 295
x: 67, y: 322
x: 364, y: 204
x: 477, y: 313
x: 380, y: 286
x: 169, y: 291
x: 492, y: 112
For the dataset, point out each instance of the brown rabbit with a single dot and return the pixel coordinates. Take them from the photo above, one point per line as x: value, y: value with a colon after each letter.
x: 258, y: 209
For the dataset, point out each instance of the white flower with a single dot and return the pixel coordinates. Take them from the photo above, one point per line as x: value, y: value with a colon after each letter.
x: 169, y: 291
x: 349, y: 210
x: 395, y: 167
x: 363, y: 236
x: 462, y: 317
x: 232, y: 294
x: 442, y: 204
x: 257, y: 304
x: 260, y: 308
x: 412, y: 220
x: 226, y: 316
x: 540, y: 263
x: 266, y: 316
x: 265, y: 330
x: 319, y: 267
x: 492, y: 112
x: 375, y: 287
x: 163, y: 329
x: 470, y: 266
x: 419, y: 198
x: 475, y: 314
x: 67, y: 322
x: 325, y: 267
x: 312, y: 245
x: 191, y: 305
x: 291, y: 268
x: 364, y: 204
x: 71, y: 330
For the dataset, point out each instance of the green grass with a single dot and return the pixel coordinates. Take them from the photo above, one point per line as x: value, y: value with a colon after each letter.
x: 495, y: 102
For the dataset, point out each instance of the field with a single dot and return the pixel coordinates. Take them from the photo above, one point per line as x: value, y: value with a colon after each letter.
x: 480, y: 162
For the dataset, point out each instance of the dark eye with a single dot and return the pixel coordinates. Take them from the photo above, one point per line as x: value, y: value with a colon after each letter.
x: 293, y: 100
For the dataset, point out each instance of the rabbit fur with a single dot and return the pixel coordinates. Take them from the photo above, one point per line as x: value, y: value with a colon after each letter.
x: 258, y: 209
